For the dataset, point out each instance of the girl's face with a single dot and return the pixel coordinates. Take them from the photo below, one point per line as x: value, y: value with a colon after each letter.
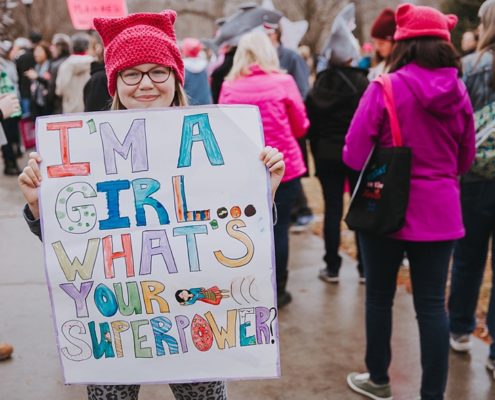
x: 185, y: 295
x: 383, y: 47
x: 39, y: 55
x: 146, y: 86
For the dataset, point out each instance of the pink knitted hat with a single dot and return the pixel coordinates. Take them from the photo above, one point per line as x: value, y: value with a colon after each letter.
x: 142, y: 38
x: 418, y: 21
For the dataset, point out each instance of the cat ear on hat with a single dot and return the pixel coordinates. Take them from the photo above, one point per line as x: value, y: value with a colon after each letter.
x: 451, y: 21
x: 403, y: 10
x: 109, y: 28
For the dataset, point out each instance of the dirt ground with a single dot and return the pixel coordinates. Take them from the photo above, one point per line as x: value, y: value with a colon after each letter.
x: 313, y: 192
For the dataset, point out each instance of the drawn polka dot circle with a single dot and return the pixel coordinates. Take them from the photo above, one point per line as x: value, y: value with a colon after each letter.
x: 222, y: 212
x: 250, y: 210
x: 235, y: 212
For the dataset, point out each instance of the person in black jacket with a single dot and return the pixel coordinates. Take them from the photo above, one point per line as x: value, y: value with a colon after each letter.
x: 331, y: 104
x: 95, y: 92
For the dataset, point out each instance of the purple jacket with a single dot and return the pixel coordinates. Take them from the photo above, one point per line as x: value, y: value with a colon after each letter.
x: 436, y: 120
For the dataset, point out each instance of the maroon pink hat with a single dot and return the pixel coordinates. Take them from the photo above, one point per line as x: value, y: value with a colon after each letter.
x: 140, y: 38
x: 418, y: 21
x: 384, y: 25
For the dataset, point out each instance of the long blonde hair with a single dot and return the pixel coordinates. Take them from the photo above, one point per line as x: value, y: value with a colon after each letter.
x: 254, y: 48
x: 487, y: 18
x: 180, y: 98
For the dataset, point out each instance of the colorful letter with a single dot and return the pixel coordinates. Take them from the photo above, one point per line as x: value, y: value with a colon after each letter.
x: 105, y: 300
x: 143, y: 189
x: 134, y: 141
x: 66, y: 168
x: 262, y: 329
x: 133, y: 305
x: 201, y: 333
x: 223, y: 336
x: 162, y: 248
x: 104, y: 347
x: 109, y: 256
x: 234, y: 232
x: 205, y: 135
x: 82, y: 350
x: 70, y: 268
x: 246, y: 340
x: 139, y: 351
x: 182, y: 323
x: 151, y: 290
x: 190, y: 233
x: 161, y: 326
x: 117, y: 328
x: 87, y: 213
x: 181, y: 212
x: 79, y: 296
x: 112, y: 189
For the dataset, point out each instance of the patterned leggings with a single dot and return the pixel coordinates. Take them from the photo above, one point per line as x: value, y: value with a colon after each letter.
x: 181, y: 391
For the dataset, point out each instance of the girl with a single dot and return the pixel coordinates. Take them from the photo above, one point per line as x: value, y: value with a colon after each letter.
x: 256, y: 78
x: 382, y: 34
x: 436, y: 121
x: 144, y: 70
x: 41, y: 78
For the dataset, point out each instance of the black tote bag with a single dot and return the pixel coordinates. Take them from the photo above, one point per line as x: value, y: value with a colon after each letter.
x: 379, y: 202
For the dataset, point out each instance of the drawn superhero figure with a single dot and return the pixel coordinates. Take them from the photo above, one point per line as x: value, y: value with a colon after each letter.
x: 213, y: 295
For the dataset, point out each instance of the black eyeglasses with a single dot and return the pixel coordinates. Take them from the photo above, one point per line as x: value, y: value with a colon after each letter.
x: 133, y: 77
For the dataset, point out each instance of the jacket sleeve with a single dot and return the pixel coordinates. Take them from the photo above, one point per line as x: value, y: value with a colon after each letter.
x: 300, y: 72
x: 467, y: 149
x: 365, y: 127
x: 223, y: 94
x: 34, y: 224
x: 296, y: 109
x: 61, y: 83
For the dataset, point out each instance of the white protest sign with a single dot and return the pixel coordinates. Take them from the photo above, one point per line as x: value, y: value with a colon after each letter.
x: 158, y: 239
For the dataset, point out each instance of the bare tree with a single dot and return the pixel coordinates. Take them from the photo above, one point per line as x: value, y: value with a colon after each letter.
x: 6, y: 17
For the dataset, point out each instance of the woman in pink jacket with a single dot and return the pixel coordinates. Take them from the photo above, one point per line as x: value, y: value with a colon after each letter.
x: 436, y: 121
x: 256, y: 78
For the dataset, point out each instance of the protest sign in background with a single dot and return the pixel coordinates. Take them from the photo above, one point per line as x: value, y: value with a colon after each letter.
x: 82, y: 12
x: 143, y: 211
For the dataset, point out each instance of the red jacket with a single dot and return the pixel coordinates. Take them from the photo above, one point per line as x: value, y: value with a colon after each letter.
x: 282, y: 112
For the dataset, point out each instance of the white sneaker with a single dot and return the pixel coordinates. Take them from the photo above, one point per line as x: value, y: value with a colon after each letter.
x: 461, y: 342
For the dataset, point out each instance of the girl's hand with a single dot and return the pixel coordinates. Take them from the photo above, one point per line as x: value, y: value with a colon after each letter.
x: 274, y: 161
x: 29, y: 182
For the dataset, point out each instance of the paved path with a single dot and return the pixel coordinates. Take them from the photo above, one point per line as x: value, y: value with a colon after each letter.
x: 322, y: 336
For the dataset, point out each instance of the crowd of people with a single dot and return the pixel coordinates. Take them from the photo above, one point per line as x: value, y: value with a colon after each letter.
x: 335, y: 103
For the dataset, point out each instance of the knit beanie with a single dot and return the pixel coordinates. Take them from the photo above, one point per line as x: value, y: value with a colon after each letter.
x: 191, y: 47
x: 420, y: 21
x: 384, y: 25
x: 142, y: 38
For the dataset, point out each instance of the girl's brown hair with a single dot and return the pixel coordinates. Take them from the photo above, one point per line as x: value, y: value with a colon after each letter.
x: 180, y: 98
x: 46, y: 48
x: 428, y: 52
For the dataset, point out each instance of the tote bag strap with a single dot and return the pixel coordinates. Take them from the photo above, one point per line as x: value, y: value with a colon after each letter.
x: 388, y: 97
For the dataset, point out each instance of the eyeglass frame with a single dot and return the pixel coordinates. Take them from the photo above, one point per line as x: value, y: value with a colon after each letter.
x: 147, y: 73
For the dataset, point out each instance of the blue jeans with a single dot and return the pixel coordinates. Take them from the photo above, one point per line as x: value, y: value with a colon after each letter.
x: 429, y: 265
x: 332, y: 175
x: 470, y: 255
x: 284, y: 199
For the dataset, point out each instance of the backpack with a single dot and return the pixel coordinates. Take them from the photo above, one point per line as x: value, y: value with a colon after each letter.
x: 484, y: 161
